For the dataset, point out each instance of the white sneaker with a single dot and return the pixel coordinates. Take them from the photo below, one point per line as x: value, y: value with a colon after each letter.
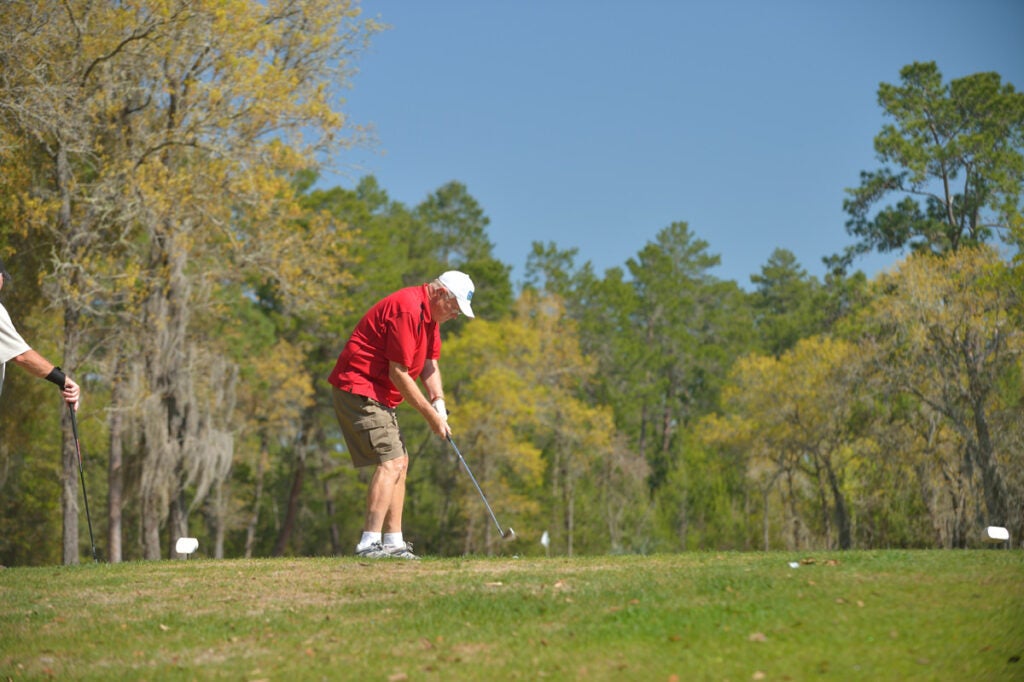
x: 374, y: 550
x: 400, y: 551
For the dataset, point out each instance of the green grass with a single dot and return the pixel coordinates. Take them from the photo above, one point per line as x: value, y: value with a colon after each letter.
x: 892, y: 615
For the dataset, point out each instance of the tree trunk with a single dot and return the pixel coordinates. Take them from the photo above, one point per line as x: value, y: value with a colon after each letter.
x: 842, y: 516
x: 992, y: 480
x: 69, y: 458
x: 166, y: 420
x: 570, y: 511
x: 765, y: 525
x: 220, y: 501
x: 482, y: 472
x: 684, y: 519
x: 641, y: 443
x: 334, y: 532
x: 115, y: 471
x: 71, y: 475
x: 826, y: 515
x: 284, y: 536
x: 794, y: 511
x: 956, y: 527
x: 928, y: 498
x: 666, y: 432
x: 150, y: 530
x: 250, y: 531
x: 69, y: 492
x: 177, y: 525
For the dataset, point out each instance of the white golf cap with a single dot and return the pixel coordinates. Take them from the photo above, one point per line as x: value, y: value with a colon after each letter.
x: 459, y: 284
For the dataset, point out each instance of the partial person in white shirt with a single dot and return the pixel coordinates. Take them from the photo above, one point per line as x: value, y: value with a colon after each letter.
x: 14, y: 349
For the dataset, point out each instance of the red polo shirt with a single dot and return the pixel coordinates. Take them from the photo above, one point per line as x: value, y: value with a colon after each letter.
x: 397, y: 328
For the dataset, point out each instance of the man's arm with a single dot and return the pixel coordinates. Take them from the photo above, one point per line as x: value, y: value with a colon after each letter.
x: 36, y: 365
x: 406, y: 385
x: 431, y: 378
x: 33, y: 363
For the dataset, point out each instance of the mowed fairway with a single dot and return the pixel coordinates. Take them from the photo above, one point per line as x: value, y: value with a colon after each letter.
x: 871, y: 615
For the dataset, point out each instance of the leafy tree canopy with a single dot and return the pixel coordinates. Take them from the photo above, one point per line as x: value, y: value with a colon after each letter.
x: 953, y: 171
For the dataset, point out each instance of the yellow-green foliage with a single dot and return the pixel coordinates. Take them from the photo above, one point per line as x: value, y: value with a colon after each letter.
x: 519, y: 407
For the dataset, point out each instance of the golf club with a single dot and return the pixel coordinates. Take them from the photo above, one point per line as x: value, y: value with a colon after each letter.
x: 505, y: 534
x: 81, y: 473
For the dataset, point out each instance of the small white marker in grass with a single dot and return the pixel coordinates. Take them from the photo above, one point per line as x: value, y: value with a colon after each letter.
x: 996, y: 534
x: 186, y: 546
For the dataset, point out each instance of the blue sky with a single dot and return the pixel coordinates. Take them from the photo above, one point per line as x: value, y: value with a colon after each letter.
x: 596, y: 124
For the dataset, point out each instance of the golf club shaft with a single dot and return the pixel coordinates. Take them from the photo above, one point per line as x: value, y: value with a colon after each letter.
x: 81, y: 473
x: 478, y: 489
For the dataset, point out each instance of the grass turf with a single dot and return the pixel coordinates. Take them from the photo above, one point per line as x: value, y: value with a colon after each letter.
x: 871, y: 615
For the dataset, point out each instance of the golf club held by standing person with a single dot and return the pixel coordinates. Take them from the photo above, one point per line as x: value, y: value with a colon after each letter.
x: 13, y: 348
x: 396, y: 343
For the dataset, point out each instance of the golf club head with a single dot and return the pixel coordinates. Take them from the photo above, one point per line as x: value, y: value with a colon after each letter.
x: 509, y: 534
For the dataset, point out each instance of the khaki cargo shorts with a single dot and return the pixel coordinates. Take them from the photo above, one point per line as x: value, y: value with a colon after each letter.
x: 370, y: 429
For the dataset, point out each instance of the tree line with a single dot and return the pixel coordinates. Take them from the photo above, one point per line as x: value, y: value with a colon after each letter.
x: 171, y: 243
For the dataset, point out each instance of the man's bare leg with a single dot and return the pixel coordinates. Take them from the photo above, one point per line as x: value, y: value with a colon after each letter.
x: 393, y: 520
x: 387, y: 487
x: 392, y: 539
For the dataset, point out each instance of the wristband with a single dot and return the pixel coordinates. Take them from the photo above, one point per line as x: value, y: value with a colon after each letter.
x: 56, y: 376
x: 439, y: 407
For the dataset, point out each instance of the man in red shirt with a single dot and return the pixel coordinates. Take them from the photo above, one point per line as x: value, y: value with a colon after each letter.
x: 397, y: 342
